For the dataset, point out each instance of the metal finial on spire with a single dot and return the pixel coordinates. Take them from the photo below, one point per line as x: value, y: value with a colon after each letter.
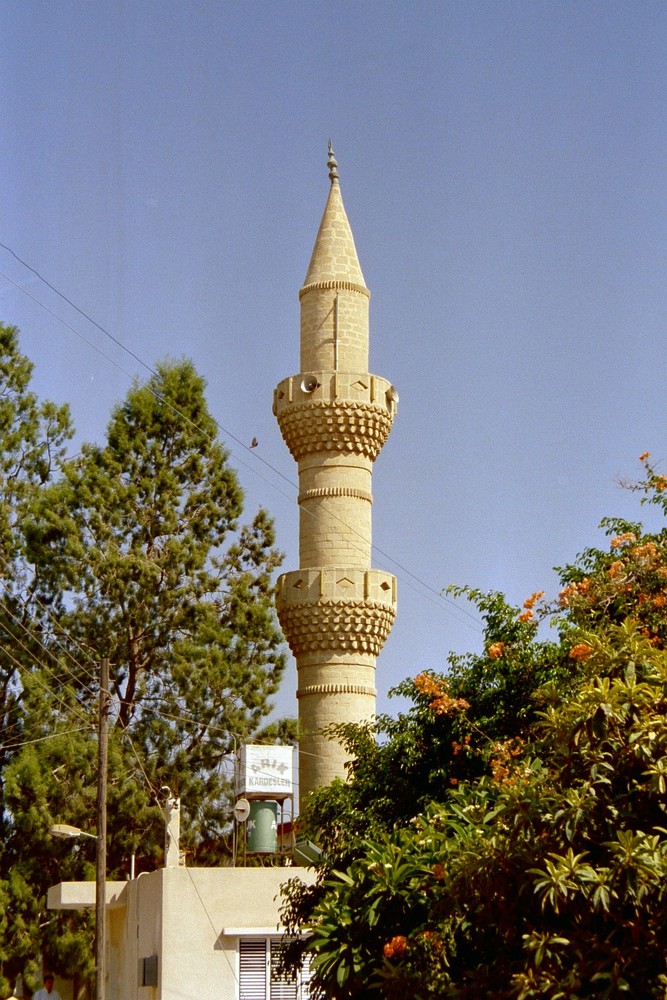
x: 332, y: 164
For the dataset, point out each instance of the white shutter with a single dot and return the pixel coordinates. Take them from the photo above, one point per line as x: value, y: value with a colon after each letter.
x: 258, y: 972
x: 252, y: 969
x: 281, y: 988
x: 306, y: 975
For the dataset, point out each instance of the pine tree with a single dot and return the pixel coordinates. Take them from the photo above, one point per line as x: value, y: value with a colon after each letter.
x: 32, y: 441
x: 139, y: 557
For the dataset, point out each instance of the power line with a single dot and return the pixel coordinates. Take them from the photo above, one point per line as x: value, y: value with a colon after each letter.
x: 34, y: 677
x: 55, y: 622
x: 81, y: 312
x: 441, y: 600
x: 42, y: 739
x: 181, y: 718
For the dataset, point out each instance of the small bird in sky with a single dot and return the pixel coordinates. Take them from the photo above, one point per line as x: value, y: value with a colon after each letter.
x: 254, y: 443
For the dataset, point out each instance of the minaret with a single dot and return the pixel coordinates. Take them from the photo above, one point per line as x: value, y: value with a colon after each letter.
x: 335, y: 611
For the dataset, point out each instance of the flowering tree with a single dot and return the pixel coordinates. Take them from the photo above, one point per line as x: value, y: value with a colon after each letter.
x: 530, y: 859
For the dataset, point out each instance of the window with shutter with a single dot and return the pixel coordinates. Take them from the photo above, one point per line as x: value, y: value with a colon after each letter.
x: 258, y: 972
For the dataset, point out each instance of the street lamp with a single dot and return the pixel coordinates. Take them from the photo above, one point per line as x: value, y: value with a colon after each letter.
x: 66, y: 832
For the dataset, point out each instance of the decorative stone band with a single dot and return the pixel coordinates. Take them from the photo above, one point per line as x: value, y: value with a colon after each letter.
x: 336, y: 689
x: 336, y: 584
x: 333, y: 387
x: 335, y: 491
x: 338, y: 285
x: 336, y: 626
x: 361, y: 428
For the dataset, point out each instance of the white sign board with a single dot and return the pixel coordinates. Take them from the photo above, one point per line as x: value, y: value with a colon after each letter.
x: 265, y: 771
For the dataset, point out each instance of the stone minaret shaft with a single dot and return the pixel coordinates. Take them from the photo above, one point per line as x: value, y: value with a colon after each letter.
x: 335, y: 610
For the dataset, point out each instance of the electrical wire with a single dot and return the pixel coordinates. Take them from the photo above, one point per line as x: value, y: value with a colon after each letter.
x: 92, y: 675
x: 183, y: 719
x: 442, y: 600
x: 42, y: 739
x: 35, y: 677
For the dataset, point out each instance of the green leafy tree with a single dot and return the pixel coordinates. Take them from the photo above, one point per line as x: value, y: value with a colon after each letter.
x: 537, y: 867
x: 159, y: 578
x: 32, y: 441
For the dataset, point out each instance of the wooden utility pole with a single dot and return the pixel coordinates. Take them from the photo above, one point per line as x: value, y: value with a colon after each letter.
x: 101, y: 854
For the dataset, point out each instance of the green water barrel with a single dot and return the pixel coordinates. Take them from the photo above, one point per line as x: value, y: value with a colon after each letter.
x: 263, y: 828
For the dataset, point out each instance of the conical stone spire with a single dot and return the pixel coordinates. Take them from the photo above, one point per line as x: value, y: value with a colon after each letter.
x: 335, y: 610
x: 334, y: 255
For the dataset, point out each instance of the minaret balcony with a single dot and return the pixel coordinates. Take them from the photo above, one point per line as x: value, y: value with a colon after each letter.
x: 338, y: 609
x: 335, y: 412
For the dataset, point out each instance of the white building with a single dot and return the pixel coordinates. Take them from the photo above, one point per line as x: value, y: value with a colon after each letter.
x: 200, y: 933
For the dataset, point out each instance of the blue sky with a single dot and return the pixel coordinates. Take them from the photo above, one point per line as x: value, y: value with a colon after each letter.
x: 503, y: 170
